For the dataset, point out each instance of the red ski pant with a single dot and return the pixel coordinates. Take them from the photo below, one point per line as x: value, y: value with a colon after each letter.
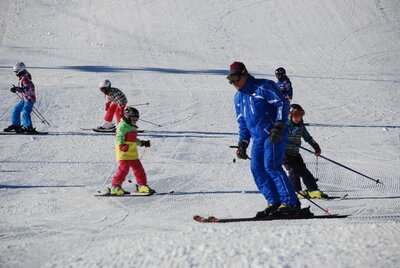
x: 123, y: 171
x: 114, y: 109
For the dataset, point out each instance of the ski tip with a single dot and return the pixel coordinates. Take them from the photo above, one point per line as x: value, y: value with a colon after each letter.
x: 202, y: 219
x: 198, y: 218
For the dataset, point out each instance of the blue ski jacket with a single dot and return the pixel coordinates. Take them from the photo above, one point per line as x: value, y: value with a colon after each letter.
x: 259, y: 104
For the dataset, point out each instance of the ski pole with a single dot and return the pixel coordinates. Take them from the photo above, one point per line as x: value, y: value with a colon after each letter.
x: 318, y: 206
x: 41, y: 117
x: 150, y: 122
x: 235, y: 146
x: 139, y: 104
x: 109, y: 174
x: 36, y: 112
x: 343, y: 166
x: 316, y: 169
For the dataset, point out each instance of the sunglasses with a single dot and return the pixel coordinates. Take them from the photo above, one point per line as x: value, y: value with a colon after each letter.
x: 233, y: 78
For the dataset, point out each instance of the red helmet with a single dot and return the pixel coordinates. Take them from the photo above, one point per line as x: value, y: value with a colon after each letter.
x: 296, y: 110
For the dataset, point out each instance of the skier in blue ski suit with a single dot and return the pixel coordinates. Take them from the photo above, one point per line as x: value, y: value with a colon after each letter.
x: 262, y: 112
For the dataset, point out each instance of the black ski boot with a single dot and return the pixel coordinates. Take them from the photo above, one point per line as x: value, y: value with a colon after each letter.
x: 29, y: 130
x: 269, y: 210
x: 13, y: 128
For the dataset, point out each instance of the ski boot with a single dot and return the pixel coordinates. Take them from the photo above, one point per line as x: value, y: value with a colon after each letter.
x: 115, y: 190
x: 29, y: 130
x: 269, y: 210
x: 288, y: 210
x: 107, y: 126
x: 145, y: 189
x: 13, y: 128
x: 317, y: 194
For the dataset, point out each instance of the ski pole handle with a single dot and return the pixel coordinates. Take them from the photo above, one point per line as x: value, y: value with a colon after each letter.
x: 236, y: 147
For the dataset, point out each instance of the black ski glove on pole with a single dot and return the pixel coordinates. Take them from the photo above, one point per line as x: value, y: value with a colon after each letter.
x: 277, y: 132
x: 241, y: 151
x: 145, y: 143
x: 317, y: 149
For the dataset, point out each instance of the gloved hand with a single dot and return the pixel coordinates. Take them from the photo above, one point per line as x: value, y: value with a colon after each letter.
x: 107, y: 105
x: 13, y: 89
x: 317, y: 149
x: 277, y: 132
x: 241, y: 151
x: 124, y: 147
x: 145, y: 143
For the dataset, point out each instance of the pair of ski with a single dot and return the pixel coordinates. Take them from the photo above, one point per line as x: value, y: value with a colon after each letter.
x: 23, y: 133
x: 304, y: 214
x: 131, y: 194
x: 102, y: 130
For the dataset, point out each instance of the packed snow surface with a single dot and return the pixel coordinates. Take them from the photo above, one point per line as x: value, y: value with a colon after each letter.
x: 343, y: 58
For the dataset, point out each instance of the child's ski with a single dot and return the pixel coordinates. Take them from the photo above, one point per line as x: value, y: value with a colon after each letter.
x: 113, y: 130
x: 132, y: 194
x: 335, y: 197
x: 24, y: 133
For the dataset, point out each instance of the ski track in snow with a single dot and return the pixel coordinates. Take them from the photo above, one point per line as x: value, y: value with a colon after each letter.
x: 343, y: 60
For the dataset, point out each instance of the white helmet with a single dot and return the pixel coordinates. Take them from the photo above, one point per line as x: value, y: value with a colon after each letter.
x: 105, y: 83
x: 19, y: 67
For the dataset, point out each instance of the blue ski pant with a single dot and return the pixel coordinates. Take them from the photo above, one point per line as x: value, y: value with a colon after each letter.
x: 269, y: 176
x: 24, y: 107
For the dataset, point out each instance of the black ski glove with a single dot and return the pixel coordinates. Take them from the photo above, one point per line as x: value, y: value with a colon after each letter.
x: 317, y: 150
x: 13, y: 89
x: 277, y: 132
x: 241, y: 151
x: 145, y: 143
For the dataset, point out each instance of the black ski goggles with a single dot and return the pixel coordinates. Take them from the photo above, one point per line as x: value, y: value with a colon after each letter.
x: 234, y: 78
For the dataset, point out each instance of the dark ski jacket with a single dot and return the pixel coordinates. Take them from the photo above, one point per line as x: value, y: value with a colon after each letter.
x: 286, y: 87
x: 296, y: 132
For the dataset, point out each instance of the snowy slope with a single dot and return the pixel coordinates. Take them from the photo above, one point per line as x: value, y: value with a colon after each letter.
x: 343, y: 58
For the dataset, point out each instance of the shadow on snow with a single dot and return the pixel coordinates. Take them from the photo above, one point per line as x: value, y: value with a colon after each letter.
x: 38, y: 186
x: 115, y: 69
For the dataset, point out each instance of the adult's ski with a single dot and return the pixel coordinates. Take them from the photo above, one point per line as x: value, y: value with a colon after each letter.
x: 304, y: 214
